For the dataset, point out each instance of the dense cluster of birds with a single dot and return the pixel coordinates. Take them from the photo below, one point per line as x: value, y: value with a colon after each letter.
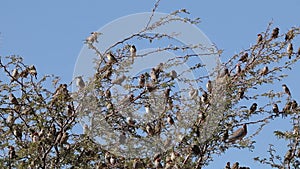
x: 60, y: 137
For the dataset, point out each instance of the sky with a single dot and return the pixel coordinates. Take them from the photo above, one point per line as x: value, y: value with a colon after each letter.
x: 50, y: 34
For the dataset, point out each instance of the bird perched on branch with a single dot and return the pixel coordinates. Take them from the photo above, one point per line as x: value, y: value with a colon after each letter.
x: 235, y: 165
x: 173, y: 74
x: 241, y: 93
x: 209, y: 86
x: 275, y: 108
x: 289, y: 50
x: 259, y: 38
x: 294, y: 105
x: 238, y: 134
x: 32, y: 71
x: 253, y: 108
x: 286, y: 90
x: 289, y: 35
x: 15, y: 75
x: 142, y: 81
x: 238, y: 68
x: 79, y: 82
x: 13, y: 99
x: 275, y: 33
x: 227, y: 165
x: 264, y: 71
x: 288, y: 156
x: 92, y: 38
x: 154, y: 75
x: 132, y: 50
x: 286, y: 109
x: 111, y: 58
x: 12, y: 152
x: 244, y: 57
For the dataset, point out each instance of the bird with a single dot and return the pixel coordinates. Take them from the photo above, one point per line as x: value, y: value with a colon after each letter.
x: 142, y: 81
x: 17, y: 132
x: 294, y: 105
x: 157, y: 163
x: 119, y: 80
x: 111, y: 58
x: 238, y: 134
x: 13, y: 99
x: 107, y: 93
x: 112, y: 160
x: 24, y: 73
x: 10, y: 119
x: 298, y: 53
x: 275, y: 33
x: 286, y: 109
x: 253, y: 108
x: 35, y: 137
x: 227, y: 165
x: 209, y: 86
x: 289, y: 50
x: 159, y: 68
x: 238, y: 68
x: 85, y: 129
x: 12, y: 152
x: 173, y: 74
x: 225, y: 73
x: 170, y: 120
x: 204, y: 97
x: 235, y: 165
x: 151, y: 87
x: 286, y: 90
x: 32, y: 71
x: 149, y: 129
x: 14, y: 75
x: 154, y: 75
x: 244, y: 57
x: 241, y: 93
x: 275, y: 108
x: 61, y: 92
x: 148, y: 109
x: 92, y: 38
x: 264, y: 71
x: 79, y: 82
x: 132, y: 51
x: 288, y: 156
x: 259, y: 38
x: 289, y: 35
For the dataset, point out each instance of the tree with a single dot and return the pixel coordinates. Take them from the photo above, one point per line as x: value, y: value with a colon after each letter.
x: 180, y: 128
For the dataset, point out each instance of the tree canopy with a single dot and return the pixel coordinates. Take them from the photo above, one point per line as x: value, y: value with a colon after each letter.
x: 149, y: 120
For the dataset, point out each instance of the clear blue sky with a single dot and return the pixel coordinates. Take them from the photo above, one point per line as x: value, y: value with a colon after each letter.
x: 49, y: 34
